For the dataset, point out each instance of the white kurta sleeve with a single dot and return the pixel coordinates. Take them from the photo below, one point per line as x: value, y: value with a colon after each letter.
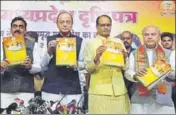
x: 36, y: 60
x: 81, y: 64
x: 130, y: 71
x: 172, y: 63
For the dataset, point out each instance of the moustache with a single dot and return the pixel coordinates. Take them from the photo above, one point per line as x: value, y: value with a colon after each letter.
x: 17, y: 31
x: 126, y: 43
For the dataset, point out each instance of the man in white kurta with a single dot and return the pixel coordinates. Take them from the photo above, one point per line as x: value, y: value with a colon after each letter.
x: 146, y: 104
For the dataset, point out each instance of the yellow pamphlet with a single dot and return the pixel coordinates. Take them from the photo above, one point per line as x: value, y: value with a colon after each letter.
x: 66, y: 52
x: 113, y: 55
x: 155, y: 74
x: 15, y: 49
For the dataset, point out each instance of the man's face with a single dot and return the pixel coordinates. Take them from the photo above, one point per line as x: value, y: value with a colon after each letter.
x: 18, y: 28
x: 104, y: 27
x: 151, y: 37
x: 127, y: 39
x: 167, y: 42
x: 64, y: 23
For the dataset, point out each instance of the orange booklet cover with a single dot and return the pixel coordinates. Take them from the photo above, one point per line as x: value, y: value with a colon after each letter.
x: 155, y: 74
x: 113, y: 55
x: 15, y: 50
x: 66, y: 52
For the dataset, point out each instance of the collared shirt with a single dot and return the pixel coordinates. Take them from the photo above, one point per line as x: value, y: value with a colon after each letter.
x: 172, y: 63
x: 68, y: 35
x: 168, y: 53
x: 131, y: 50
x: 172, y: 60
x: 130, y: 72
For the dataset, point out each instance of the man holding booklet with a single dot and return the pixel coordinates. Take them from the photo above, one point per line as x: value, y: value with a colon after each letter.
x: 105, y: 58
x: 61, y: 63
x: 146, y: 60
x: 19, y: 65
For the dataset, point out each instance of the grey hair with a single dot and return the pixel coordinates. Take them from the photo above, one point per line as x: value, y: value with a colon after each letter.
x: 153, y: 26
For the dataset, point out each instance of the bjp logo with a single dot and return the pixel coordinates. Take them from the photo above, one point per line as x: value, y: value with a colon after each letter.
x: 167, y: 8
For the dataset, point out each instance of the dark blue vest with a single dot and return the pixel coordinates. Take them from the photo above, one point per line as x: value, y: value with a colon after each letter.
x: 62, y: 79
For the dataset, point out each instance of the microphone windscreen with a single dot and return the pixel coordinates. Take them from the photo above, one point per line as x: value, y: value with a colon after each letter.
x: 13, y: 106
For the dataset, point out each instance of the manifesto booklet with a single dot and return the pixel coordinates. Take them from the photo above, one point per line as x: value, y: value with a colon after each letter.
x: 66, y: 51
x: 113, y: 55
x: 15, y: 50
x: 155, y: 74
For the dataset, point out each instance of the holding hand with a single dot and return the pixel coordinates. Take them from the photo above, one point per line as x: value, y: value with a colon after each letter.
x: 75, y: 67
x: 140, y: 73
x: 99, y: 52
x: 27, y: 63
x: 4, y: 65
x: 51, y: 47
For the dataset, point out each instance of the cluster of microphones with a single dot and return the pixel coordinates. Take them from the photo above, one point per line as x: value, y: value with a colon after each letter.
x: 37, y: 105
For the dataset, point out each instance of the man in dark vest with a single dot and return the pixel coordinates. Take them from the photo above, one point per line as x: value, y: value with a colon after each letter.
x: 61, y: 79
x: 17, y: 81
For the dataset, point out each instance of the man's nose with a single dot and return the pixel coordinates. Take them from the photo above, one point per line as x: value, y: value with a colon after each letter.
x: 150, y: 37
x: 125, y: 40
x: 65, y: 24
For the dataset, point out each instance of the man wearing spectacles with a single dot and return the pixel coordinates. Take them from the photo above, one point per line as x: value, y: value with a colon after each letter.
x: 61, y: 79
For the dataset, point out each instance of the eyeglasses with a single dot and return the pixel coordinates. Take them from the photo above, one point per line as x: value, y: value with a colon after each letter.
x: 67, y: 22
x: 127, y: 38
x: 15, y: 26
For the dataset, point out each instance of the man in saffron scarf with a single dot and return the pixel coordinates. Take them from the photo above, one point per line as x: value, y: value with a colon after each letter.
x: 143, y: 57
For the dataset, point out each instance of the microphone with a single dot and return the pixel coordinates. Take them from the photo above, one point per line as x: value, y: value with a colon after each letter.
x: 71, y: 107
x: 80, y: 108
x: 53, y: 108
x: 2, y: 110
x: 37, y: 106
x: 21, y: 108
x: 85, y: 104
x: 19, y: 101
x: 11, y: 107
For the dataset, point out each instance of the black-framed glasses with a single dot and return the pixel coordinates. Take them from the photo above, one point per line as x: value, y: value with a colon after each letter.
x: 67, y: 22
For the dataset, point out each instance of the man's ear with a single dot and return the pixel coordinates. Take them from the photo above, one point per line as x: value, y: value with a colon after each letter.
x: 96, y: 26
